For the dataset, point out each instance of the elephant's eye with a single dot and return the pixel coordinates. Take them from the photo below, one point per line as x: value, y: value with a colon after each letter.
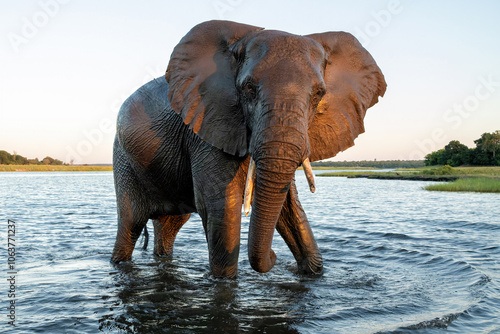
x: 249, y: 90
x: 316, y: 97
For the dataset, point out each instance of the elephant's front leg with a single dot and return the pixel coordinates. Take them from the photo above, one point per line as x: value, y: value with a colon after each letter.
x: 219, y: 196
x: 294, y: 227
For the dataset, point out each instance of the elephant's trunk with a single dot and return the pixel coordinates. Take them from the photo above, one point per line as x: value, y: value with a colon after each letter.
x: 271, y: 188
x: 278, y: 148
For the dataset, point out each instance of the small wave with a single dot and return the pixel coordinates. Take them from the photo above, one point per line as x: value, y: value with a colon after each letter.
x: 88, y: 255
x: 397, y: 236
x: 87, y: 227
x: 440, y: 322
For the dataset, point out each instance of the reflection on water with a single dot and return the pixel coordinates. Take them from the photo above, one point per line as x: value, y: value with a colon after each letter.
x: 397, y: 259
x: 164, y: 298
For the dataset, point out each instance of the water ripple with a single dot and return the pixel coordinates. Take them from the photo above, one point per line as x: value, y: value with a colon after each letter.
x: 397, y: 259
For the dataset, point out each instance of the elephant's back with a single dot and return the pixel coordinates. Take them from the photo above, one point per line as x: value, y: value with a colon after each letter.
x: 136, y: 132
x: 155, y: 140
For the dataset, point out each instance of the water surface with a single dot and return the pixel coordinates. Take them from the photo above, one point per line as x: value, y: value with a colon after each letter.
x: 397, y: 259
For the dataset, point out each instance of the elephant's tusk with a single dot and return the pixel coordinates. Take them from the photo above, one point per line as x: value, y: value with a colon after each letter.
x: 306, y: 164
x: 249, y: 187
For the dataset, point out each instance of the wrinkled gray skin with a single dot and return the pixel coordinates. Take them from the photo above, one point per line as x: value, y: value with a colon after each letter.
x: 232, y: 92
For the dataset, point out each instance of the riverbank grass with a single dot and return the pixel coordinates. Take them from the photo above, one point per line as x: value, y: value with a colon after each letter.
x: 466, y: 179
x: 482, y: 184
x: 54, y: 168
x: 108, y: 168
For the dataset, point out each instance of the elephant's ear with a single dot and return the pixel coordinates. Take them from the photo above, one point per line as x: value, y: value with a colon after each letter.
x: 353, y: 84
x: 202, y: 88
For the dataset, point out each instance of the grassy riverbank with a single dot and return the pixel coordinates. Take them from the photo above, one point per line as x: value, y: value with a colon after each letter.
x: 476, y: 179
x: 340, y: 168
x: 483, y: 185
x: 90, y: 168
x: 54, y: 168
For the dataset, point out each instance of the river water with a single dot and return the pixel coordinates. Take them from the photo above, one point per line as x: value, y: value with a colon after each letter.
x: 397, y: 258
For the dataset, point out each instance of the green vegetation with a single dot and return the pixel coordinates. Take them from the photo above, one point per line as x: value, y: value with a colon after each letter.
x: 17, y: 163
x: 489, y: 172
x: 388, y: 164
x: 338, y: 168
x: 481, y: 179
x: 54, y: 168
x: 486, y: 152
x: 444, y: 170
x: 15, y: 159
x: 485, y: 185
x: 413, y: 175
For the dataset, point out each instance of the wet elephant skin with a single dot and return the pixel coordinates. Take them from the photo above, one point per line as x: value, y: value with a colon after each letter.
x: 235, y: 94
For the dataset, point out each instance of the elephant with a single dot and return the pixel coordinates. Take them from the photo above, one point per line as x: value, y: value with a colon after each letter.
x: 239, y: 109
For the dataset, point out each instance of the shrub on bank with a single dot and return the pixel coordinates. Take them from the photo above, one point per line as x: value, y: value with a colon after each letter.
x: 443, y: 170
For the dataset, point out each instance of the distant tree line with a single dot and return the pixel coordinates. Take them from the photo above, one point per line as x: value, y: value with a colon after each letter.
x: 15, y: 159
x: 486, y: 152
x: 375, y: 164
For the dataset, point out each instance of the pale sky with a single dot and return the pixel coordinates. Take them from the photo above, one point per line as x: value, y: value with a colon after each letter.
x: 66, y: 67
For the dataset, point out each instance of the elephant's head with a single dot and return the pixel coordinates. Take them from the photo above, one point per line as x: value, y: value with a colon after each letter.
x: 279, y: 97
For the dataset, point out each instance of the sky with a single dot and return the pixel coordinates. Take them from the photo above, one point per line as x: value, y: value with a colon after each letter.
x: 67, y: 65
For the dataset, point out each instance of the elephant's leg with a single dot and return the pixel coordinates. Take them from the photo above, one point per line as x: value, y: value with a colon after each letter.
x: 219, y: 191
x: 130, y: 226
x: 166, y: 229
x: 294, y: 227
x: 222, y: 230
x: 222, y: 223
